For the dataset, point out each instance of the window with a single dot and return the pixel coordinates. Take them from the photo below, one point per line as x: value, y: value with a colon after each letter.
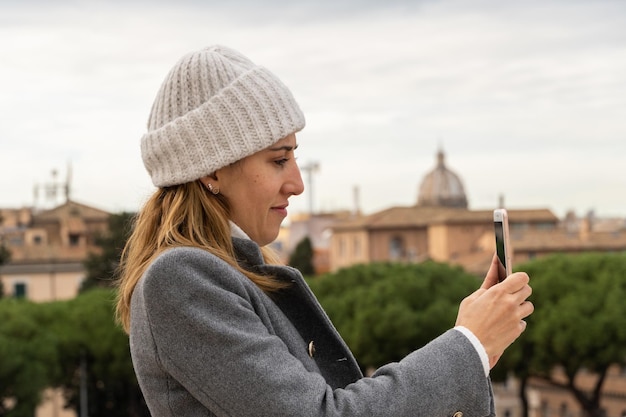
x: 357, y: 247
x: 19, y: 290
x: 37, y: 240
x: 545, y: 226
x: 396, y: 248
x: 518, y: 227
x: 342, y: 247
x: 74, y: 239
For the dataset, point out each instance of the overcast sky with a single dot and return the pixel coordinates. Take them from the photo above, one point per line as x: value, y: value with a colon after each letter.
x: 526, y: 98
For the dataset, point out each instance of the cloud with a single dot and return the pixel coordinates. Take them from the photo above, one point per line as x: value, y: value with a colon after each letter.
x: 535, y: 91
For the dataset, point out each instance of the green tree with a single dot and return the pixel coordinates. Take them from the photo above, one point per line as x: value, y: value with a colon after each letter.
x: 384, y: 310
x: 579, y: 323
x: 88, y: 336
x: 28, y: 352
x: 302, y: 257
x: 101, y: 268
x: 44, y: 345
x: 5, y: 254
x: 5, y: 257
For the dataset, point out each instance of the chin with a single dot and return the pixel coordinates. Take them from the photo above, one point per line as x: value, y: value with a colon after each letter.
x: 267, y: 239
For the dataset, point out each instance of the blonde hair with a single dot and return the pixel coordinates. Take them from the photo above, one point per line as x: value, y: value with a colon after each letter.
x: 181, y: 215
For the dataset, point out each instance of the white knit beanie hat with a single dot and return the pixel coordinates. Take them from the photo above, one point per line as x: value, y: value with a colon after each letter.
x: 214, y: 108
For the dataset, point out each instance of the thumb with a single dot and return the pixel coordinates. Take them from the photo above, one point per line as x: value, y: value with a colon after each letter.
x: 491, y: 278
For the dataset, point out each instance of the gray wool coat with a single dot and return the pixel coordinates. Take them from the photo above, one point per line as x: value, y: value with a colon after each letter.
x: 206, y: 341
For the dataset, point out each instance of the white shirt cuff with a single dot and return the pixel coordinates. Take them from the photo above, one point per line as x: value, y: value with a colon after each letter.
x: 480, y: 349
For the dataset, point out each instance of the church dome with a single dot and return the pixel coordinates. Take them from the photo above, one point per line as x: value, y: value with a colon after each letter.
x: 441, y: 187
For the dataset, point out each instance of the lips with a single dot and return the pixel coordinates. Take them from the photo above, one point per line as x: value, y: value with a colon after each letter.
x: 281, y: 209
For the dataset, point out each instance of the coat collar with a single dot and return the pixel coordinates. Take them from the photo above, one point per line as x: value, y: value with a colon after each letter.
x: 248, y: 253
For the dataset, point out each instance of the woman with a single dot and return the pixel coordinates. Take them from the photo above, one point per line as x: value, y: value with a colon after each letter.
x: 217, y: 327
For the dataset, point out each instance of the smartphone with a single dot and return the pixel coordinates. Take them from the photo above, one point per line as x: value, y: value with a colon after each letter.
x: 503, y: 244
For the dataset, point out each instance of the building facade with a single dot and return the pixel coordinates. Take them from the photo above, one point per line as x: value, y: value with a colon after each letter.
x: 444, y: 234
x: 441, y: 227
x: 48, y: 249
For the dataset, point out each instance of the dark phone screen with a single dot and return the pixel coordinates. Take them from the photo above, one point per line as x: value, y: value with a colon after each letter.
x: 499, y: 229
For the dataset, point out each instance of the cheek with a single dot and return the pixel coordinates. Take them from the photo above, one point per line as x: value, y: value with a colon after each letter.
x: 261, y: 186
x: 251, y: 194
x: 248, y: 199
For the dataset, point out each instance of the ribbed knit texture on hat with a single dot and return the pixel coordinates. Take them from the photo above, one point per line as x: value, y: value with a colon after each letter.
x: 214, y: 108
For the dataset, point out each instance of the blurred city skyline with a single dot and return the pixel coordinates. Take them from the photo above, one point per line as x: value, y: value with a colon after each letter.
x: 526, y: 99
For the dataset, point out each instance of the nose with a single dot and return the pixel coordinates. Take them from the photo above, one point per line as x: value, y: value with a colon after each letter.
x: 295, y: 185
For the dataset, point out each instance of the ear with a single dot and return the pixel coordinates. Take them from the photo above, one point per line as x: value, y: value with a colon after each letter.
x: 205, y: 181
x: 209, y: 179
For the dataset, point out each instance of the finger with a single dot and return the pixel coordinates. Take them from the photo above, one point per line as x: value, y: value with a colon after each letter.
x: 476, y: 294
x: 526, y: 309
x: 525, y: 292
x: 491, y: 278
x: 515, y: 282
x: 522, y: 325
x: 519, y: 295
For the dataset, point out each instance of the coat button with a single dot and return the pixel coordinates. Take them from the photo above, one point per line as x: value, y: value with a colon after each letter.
x: 458, y: 414
x: 311, y: 348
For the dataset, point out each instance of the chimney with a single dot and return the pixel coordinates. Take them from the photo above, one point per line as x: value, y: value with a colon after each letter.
x: 357, y: 201
x: 586, y: 225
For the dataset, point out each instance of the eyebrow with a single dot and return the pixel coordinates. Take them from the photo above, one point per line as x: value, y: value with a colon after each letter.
x: 284, y: 148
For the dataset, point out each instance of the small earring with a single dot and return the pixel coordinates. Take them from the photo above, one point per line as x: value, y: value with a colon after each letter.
x: 214, y: 191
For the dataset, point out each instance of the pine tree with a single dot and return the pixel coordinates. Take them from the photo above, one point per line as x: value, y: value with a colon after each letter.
x: 102, y: 268
x: 302, y: 257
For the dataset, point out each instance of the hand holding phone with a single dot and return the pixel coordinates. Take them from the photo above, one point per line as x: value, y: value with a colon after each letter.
x: 503, y: 246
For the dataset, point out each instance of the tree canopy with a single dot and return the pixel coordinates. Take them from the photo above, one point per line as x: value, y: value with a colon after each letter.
x: 101, y: 268
x: 28, y: 352
x: 44, y: 345
x: 5, y: 256
x: 302, y: 257
x: 579, y: 323
x: 384, y: 311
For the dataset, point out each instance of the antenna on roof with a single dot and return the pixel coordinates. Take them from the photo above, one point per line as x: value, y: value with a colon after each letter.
x: 68, y: 181
x: 51, y: 190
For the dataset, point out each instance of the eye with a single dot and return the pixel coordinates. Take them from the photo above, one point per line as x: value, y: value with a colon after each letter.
x: 281, y: 162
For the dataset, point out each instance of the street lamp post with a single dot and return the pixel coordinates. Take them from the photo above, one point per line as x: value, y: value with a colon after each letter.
x: 310, y: 169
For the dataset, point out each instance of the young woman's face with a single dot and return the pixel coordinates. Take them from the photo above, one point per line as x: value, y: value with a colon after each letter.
x: 258, y: 189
